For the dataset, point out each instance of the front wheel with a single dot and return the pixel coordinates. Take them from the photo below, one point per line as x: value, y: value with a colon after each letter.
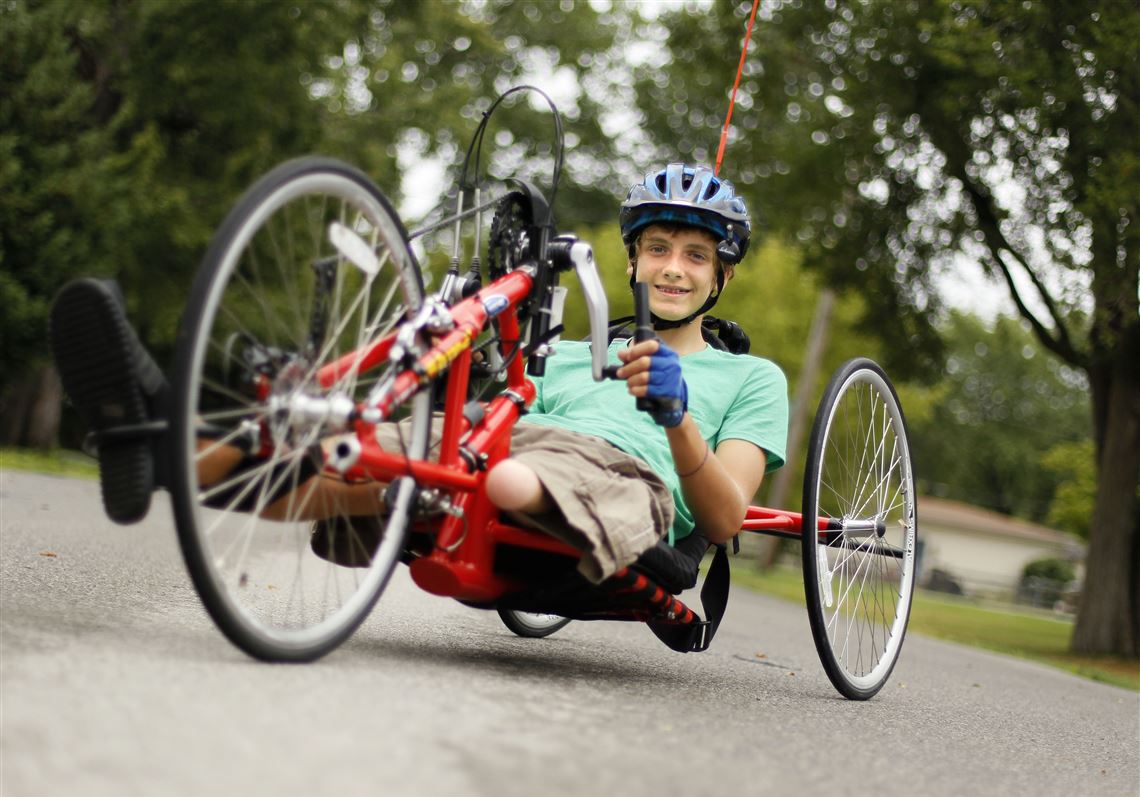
x: 859, y: 529
x: 531, y: 625
x: 309, y: 266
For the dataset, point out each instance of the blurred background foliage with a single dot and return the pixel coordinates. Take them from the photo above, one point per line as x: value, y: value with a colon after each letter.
x: 129, y: 127
x: 1002, y: 426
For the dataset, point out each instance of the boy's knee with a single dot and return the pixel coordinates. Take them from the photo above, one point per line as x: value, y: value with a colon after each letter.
x: 515, y: 487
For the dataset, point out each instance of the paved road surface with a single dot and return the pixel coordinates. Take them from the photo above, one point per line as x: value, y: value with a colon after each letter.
x: 115, y: 682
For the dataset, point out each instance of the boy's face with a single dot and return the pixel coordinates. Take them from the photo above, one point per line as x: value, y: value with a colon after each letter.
x: 679, y: 265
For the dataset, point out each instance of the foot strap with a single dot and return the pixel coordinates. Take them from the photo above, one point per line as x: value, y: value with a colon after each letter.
x: 696, y: 637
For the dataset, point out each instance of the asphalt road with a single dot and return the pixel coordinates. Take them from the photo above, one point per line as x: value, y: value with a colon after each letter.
x: 114, y: 681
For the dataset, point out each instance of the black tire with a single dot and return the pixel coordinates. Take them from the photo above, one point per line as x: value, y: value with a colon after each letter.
x: 859, y: 575
x: 258, y: 323
x: 531, y: 625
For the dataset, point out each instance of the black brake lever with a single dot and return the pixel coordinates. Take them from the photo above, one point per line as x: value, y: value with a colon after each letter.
x: 643, y: 330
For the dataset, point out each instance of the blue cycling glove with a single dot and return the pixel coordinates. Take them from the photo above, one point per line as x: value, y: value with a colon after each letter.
x: 667, y: 388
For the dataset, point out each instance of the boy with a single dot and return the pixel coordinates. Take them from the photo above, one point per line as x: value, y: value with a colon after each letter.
x: 685, y: 231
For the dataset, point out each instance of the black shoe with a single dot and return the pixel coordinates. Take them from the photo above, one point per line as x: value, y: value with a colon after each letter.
x: 114, y: 385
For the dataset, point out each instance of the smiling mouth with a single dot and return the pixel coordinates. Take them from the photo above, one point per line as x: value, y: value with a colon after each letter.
x: 671, y: 291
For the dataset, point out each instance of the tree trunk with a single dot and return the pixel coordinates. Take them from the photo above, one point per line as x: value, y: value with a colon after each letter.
x: 767, y: 548
x: 31, y: 409
x: 1108, y: 620
x: 44, y: 413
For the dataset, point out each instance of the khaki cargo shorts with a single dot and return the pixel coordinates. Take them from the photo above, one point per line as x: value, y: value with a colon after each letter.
x: 609, y: 505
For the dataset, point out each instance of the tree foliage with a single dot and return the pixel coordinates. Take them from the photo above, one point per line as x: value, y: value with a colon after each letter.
x: 417, y: 78
x: 129, y: 127
x: 1001, y: 404
x: 1071, y: 464
x: 893, y: 138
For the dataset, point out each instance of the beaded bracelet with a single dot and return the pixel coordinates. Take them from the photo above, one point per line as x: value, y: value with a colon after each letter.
x: 705, y: 459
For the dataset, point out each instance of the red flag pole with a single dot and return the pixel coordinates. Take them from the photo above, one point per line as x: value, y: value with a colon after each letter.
x: 735, y: 86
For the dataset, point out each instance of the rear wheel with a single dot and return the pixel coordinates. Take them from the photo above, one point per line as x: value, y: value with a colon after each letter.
x: 529, y: 624
x: 310, y: 265
x: 859, y: 568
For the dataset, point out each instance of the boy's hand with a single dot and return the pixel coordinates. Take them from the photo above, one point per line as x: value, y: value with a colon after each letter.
x: 653, y: 371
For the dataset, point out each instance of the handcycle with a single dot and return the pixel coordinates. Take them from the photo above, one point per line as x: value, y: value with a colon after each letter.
x: 309, y: 334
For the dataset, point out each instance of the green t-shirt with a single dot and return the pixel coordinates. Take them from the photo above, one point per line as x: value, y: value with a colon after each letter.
x: 731, y: 396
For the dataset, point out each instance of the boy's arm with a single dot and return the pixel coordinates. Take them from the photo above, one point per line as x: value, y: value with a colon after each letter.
x: 718, y: 485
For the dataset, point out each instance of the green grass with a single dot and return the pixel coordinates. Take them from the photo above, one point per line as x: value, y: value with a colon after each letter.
x: 59, y: 461
x: 1026, y: 634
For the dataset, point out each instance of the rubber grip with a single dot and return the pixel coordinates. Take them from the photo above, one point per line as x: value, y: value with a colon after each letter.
x: 642, y: 318
x: 643, y: 330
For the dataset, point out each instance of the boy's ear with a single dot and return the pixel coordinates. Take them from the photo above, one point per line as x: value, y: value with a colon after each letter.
x: 629, y: 267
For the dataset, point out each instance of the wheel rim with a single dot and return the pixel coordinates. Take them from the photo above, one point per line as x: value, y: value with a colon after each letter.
x: 864, y: 578
x: 538, y: 622
x: 254, y: 351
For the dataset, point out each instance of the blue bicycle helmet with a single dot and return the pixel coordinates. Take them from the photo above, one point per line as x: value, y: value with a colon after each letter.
x: 692, y: 195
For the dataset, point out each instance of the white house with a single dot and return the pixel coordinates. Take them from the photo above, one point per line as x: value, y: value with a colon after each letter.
x: 984, y: 552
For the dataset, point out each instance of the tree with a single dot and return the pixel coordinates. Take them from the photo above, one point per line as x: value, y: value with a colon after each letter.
x: 129, y: 127
x: 419, y: 76
x: 894, y: 138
